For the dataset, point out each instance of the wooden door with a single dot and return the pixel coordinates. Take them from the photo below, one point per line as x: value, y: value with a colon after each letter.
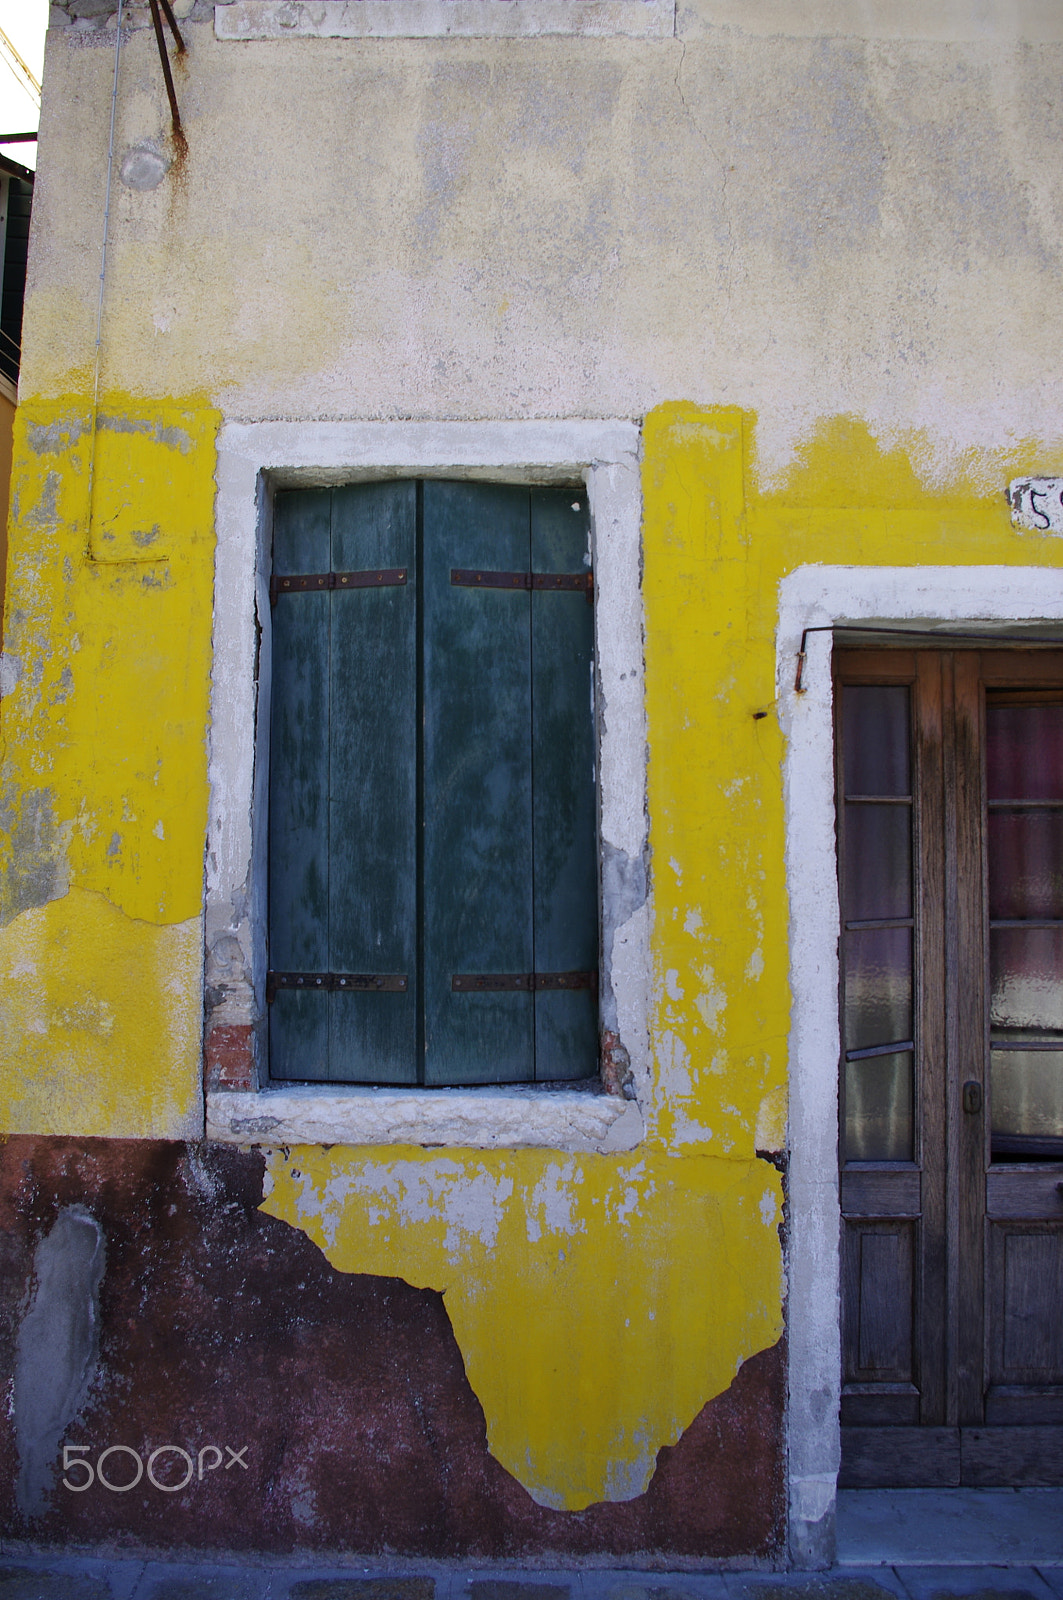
x: 950, y: 852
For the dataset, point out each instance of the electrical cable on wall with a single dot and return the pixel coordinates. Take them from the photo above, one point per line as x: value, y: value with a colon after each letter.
x: 103, y: 274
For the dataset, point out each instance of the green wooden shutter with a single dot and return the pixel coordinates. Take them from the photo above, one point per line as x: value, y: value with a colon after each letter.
x: 373, y: 784
x: 343, y: 762
x: 432, y: 795
x: 564, y: 826
x: 298, y: 789
x: 477, y: 785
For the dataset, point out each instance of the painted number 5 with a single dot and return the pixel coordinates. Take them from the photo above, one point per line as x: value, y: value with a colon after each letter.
x: 71, y: 1455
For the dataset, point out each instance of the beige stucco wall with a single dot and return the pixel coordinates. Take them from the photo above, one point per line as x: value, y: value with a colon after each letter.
x: 465, y: 227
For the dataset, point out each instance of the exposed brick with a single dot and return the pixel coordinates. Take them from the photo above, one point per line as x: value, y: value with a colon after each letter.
x: 228, y: 1058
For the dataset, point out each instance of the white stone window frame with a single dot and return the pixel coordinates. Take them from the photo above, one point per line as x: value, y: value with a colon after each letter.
x: 255, y: 459
x: 978, y: 600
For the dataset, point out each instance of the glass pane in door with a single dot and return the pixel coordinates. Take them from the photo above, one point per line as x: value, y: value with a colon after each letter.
x: 1024, y: 843
x: 878, y: 1108
x: 875, y: 817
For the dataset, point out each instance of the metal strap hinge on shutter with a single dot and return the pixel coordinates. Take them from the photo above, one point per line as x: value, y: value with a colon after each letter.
x: 472, y: 578
x: 302, y: 582
x: 356, y: 982
x: 536, y: 982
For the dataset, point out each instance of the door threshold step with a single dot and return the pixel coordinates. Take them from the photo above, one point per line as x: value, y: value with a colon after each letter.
x: 950, y: 1527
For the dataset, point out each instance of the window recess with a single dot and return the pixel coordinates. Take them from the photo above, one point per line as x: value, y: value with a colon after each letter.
x: 432, y: 839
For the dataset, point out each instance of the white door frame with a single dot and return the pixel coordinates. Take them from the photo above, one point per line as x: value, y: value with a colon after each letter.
x: 950, y: 599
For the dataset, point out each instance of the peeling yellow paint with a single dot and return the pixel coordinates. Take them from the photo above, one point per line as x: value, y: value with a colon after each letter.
x: 103, y: 766
x: 769, y: 1131
x: 715, y: 550
x: 598, y: 1302
x: 99, y: 1022
x: 106, y: 721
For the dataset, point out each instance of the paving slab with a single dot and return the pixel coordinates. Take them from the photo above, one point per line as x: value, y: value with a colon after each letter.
x: 381, y: 1588
x: 880, y: 1583
x: 975, y: 1583
x: 530, y: 1584
x: 950, y: 1527
x: 166, y: 1580
x: 67, y: 1578
x: 356, y: 1583
x: 653, y: 1586
x: 29, y: 1583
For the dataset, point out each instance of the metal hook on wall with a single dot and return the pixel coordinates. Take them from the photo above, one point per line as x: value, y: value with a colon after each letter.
x: 156, y: 18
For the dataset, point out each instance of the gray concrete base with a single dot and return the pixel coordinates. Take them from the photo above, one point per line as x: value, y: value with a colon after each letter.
x: 64, y: 1577
x: 950, y: 1527
x: 893, y: 1544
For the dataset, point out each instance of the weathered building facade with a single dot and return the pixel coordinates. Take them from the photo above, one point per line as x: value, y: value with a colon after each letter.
x: 765, y: 298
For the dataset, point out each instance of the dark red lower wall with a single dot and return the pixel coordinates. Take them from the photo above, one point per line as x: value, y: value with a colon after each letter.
x: 347, y: 1394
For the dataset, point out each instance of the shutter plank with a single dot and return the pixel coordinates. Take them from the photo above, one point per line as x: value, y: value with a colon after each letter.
x: 298, y: 798
x: 566, y: 868
x: 477, y: 785
x: 372, y: 804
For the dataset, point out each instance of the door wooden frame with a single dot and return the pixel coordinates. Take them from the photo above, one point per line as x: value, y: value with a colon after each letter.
x: 970, y: 600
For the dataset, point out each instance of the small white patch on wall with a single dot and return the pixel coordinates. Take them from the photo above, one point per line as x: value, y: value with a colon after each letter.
x: 470, y: 1204
x: 712, y: 1001
x: 676, y: 1090
x: 553, y: 1201
x: 1037, y: 504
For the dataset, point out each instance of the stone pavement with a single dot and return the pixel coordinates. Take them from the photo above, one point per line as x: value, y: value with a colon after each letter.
x: 62, y: 1577
x: 908, y: 1544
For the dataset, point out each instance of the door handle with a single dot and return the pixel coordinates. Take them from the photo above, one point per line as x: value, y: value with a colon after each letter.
x: 972, y: 1097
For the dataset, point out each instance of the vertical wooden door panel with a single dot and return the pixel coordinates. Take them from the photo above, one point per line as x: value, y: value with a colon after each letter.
x: 878, y: 706
x: 373, y: 784
x: 964, y: 982
x: 564, y: 832
x: 477, y: 787
x: 886, y: 1311
x: 1025, y: 1292
x: 878, y: 1261
x: 1033, y: 1305
x: 932, y: 1262
x: 299, y: 850
x: 988, y: 1258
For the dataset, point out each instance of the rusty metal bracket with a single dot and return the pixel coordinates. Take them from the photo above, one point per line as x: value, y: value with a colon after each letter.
x: 156, y: 18
x: 920, y: 636
x: 350, y: 982
x: 300, y: 583
x: 471, y: 578
x: 529, y: 982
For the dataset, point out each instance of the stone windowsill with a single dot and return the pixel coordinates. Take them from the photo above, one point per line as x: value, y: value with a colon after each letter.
x: 489, y: 1119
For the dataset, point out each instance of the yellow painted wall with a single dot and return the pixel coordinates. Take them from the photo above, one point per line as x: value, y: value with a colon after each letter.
x: 598, y: 1301
x: 103, y: 768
